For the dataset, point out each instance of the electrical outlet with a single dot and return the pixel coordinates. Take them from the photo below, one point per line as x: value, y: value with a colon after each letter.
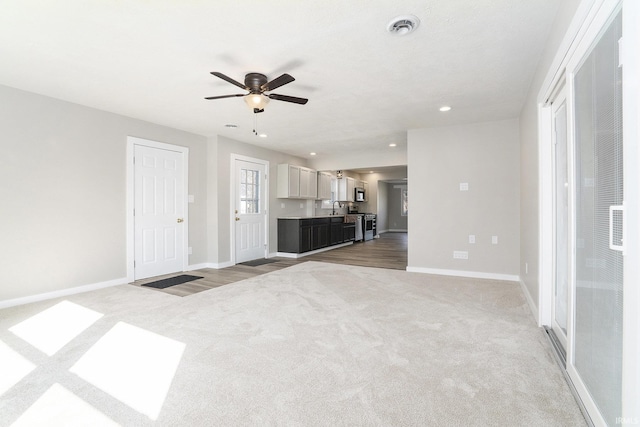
x: 460, y: 255
x: 192, y: 199
x: 464, y: 186
x: 472, y: 238
x: 494, y: 240
x: 301, y: 205
x: 281, y: 205
x: 190, y: 250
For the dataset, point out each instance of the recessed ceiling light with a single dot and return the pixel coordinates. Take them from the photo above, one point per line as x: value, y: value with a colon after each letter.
x: 403, y: 24
x: 370, y: 171
x: 445, y: 108
x: 392, y: 145
x: 312, y: 154
x: 262, y: 135
x: 230, y: 126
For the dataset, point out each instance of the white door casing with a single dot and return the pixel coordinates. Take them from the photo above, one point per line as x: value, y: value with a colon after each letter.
x: 158, y: 187
x: 249, y: 204
x: 561, y: 291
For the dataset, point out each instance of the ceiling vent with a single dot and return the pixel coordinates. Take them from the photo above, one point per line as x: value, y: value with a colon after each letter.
x: 404, y: 24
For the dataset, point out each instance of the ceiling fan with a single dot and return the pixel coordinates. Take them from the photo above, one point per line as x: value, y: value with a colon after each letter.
x: 257, y: 85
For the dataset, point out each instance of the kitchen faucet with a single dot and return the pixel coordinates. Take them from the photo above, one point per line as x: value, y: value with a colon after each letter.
x: 334, y: 207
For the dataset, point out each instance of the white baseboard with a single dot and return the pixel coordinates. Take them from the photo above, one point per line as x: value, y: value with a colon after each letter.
x: 530, y: 302
x: 216, y: 265
x: 397, y: 230
x: 317, y: 251
x: 198, y: 266
x: 462, y: 273
x: 62, y: 293
x: 382, y: 231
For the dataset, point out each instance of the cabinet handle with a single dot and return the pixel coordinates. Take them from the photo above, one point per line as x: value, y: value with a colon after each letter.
x: 180, y: 220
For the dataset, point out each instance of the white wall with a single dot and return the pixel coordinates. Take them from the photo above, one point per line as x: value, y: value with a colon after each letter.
x: 367, y: 158
x: 486, y: 156
x: 529, y: 268
x: 63, y: 192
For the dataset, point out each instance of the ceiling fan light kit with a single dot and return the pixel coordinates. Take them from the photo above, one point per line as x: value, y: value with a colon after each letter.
x: 257, y: 84
x: 403, y: 24
x: 256, y: 101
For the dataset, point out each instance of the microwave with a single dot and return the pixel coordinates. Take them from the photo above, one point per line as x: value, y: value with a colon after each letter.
x: 359, y: 195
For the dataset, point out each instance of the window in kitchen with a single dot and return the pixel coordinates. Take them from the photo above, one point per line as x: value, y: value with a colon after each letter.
x: 404, y: 208
x: 249, y: 191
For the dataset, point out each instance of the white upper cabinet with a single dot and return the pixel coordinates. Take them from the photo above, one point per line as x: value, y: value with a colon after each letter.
x: 296, y: 182
x: 324, y: 186
x: 346, y: 187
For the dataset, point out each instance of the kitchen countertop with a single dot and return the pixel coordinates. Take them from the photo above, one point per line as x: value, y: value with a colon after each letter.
x: 314, y: 216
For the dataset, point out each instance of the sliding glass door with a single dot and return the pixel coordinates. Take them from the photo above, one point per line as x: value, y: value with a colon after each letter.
x: 595, y: 362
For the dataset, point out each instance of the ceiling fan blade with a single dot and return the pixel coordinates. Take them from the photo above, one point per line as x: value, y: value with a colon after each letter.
x: 229, y: 79
x: 287, y: 98
x: 224, y: 96
x: 277, y: 82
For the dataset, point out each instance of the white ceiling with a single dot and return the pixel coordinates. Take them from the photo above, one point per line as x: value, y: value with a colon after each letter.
x: 151, y: 60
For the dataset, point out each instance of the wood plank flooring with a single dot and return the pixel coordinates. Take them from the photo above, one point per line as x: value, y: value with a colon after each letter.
x: 389, y: 251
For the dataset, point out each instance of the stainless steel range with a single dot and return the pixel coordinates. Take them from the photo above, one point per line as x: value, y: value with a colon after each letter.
x: 369, y: 226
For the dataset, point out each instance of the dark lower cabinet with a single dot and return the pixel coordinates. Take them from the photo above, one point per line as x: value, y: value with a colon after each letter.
x: 336, y: 234
x: 306, y: 238
x: 349, y: 232
x: 320, y: 233
x: 304, y: 235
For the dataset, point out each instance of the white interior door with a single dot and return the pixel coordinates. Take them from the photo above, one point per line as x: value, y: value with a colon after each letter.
x: 159, y: 211
x: 250, y: 211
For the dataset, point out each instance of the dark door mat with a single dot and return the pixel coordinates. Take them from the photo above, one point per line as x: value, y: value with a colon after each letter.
x: 257, y: 262
x: 172, y: 281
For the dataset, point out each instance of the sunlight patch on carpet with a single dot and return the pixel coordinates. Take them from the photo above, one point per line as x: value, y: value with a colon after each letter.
x: 133, y: 365
x: 53, y: 328
x: 13, y: 368
x: 60, y: 407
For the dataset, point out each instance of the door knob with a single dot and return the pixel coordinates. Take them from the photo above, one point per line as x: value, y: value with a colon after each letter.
x: 237, y: 219
x: 180, y: 220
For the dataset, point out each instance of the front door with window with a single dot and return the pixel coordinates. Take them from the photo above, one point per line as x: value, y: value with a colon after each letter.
x: 250, y: 210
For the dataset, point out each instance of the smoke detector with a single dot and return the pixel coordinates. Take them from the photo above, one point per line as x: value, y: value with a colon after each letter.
x: 404, y: 24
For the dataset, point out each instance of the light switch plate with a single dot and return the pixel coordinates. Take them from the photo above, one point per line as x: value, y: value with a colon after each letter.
x: 494, y: 240
x: 192, y: 199
x: 464, y: 186
x: 472, y: 238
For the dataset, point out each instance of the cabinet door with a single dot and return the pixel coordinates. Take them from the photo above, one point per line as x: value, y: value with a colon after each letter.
x: 308, y: 183
x: 306, y: 238
x: 324, y: 186
x: 351, y: 186
x: 304, y: 182
x: 342, y: 190
x: 320, y: 236
x: 337, y: 233
x: 294, y: 181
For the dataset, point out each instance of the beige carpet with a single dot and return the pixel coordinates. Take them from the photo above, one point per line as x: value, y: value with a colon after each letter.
x: 313, y: 344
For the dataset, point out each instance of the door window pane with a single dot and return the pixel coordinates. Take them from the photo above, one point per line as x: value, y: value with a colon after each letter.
x: 249, y: 191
